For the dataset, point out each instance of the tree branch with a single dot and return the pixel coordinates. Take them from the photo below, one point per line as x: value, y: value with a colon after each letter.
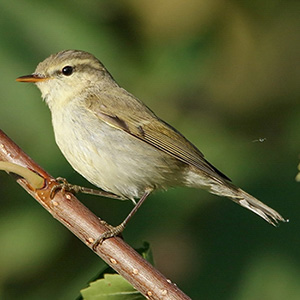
x: 67, y: 209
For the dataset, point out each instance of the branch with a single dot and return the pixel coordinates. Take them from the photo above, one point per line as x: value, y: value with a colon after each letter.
x: 67, y: 209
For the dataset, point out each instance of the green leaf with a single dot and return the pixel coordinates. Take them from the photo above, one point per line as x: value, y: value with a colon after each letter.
x: 298, y: 176
x: 112, y: 287
x: 146, y: 252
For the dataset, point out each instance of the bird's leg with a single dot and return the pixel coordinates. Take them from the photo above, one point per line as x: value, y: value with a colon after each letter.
x: 115, y: 231
x: 65, y: 186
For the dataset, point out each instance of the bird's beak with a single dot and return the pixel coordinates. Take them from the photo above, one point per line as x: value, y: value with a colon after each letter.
x: 32, y: 78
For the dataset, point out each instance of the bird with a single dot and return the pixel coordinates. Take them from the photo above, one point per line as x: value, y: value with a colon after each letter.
x: 118, y: 144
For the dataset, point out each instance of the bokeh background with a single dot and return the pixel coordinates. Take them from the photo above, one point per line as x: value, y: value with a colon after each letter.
x: 224, y: 73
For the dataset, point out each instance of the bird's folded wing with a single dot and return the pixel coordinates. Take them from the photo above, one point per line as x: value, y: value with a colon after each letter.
x: 144, y: 125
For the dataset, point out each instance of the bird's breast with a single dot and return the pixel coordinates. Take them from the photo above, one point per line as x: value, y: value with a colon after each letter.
x: 111, y: 158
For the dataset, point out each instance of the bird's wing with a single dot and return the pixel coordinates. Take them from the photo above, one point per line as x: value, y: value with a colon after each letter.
x: 113, y: 108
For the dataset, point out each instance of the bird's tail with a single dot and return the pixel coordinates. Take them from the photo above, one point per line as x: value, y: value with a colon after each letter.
x: 259, y: 208
x: 244, y: 199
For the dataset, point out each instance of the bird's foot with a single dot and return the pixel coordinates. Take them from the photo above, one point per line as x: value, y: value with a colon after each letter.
x: 64, y: 186
x: 111, y: 232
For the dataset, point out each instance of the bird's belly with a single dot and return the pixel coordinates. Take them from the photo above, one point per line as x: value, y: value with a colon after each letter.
x: 113, y: 159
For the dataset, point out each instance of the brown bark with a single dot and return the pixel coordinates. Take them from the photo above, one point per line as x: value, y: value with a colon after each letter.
x: 66, y: 208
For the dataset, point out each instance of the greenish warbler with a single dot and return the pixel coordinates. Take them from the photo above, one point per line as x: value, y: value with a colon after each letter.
x: 117, y: 143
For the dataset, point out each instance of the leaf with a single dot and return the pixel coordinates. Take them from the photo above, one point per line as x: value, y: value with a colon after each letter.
x: 112, y: 287
x: 146, y: 252
x: 298, y: 175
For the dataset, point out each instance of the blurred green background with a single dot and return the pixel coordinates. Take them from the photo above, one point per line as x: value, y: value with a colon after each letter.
x: 225, y: 74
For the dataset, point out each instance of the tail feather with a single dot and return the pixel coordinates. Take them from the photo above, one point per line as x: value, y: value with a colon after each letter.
x: 227, y: 189
x: 222, y: 187
x: 267, y: 213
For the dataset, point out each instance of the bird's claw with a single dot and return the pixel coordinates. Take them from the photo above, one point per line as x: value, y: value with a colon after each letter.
x: 111, y: 232
x: 64, y: 186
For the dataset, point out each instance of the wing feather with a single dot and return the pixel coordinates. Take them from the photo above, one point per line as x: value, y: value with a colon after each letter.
x: 142, y: 123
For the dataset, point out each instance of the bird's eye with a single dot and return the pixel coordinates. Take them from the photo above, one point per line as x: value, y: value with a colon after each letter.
x: 67, y: 70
